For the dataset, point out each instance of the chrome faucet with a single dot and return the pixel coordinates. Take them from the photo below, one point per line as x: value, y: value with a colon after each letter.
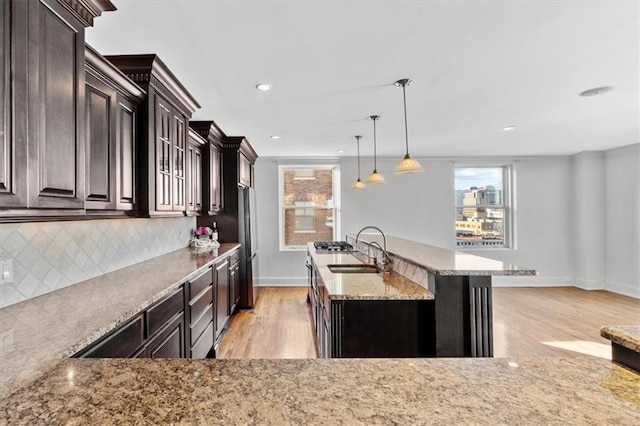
x: 386, y: 259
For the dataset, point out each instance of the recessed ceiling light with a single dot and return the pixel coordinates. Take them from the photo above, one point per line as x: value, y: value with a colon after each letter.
x: 275, y: 137
x: 340, y: 151
x: 597, y: 91
x: 508, y: 128
x: 263, y: 87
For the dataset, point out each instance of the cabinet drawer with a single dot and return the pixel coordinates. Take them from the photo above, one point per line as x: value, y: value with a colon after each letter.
x: 200, y: 283
x: 200, y: 304
x: 204, y: 343
x: 121, y: 344
x: 199, y: 325
x: 234, y: 257
x: 164, y: 311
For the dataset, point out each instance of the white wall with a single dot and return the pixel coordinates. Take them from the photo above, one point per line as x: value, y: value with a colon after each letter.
x: 588, y: 231
x: 543, y: 220
x: 274, y: 267
x: 622, y: 220
x: 420, y: 207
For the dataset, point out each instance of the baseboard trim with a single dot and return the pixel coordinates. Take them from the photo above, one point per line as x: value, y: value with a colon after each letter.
x: 281, y: 282
x: 585, y: 284
x: 622, y: 288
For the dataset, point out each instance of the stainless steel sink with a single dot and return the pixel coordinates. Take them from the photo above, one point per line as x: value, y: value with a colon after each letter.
x: 353, y: 269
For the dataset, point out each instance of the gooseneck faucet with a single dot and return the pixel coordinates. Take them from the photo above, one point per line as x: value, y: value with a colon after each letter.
x: 386, y: 259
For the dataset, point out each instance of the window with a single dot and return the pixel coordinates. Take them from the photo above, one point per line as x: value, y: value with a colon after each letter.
x: 483, y: 212
x: 308, y: 205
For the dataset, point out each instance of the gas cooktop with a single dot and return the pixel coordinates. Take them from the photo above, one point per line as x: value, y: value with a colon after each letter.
x: 331, y: 246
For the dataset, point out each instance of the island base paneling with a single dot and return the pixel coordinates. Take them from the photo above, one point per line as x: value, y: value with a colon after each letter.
x: 381, y: 329
x: 625, y: 356
x: 463, y: 312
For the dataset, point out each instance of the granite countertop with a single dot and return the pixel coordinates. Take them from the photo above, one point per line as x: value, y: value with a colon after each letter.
x: 443, y: 261
x: 623, y: 335
x: 341, y: 391
x: 361, y: 286
x: 37, y: 333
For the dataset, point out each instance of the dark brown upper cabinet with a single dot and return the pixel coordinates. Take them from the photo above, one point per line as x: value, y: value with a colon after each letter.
x: 111, y: 122
x: 162, y: 134
x: 195, y: 146
x: 212, y: 157
x: 42, y: 147
x: 239, y: 158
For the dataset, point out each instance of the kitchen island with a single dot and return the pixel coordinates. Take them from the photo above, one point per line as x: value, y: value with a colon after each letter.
x: 345, y: 391
x: 625, y: 344
x: 456, y: 322
x: 367, y: 315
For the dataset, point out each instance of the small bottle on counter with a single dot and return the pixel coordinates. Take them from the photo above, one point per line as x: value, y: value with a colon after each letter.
x: 214, y: 234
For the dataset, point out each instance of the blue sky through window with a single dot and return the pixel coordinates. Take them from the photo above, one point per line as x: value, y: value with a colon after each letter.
x: 478, y: 176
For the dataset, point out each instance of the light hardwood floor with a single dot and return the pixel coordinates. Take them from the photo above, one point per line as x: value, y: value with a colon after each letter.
x: 279, y: 326
x: 527, y: 322
x: 557, y: 321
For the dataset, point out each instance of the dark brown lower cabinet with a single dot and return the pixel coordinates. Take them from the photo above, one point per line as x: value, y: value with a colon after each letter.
x: 158, y: 332
x: 200, y: 314
x: 379, y: 329
x: 234, y: 282
x: 221, y: 282
x: 168, y: 342
x: 188, y: 322
x: 122, y: 343
x: 202, y: 347
x: 370, y: 328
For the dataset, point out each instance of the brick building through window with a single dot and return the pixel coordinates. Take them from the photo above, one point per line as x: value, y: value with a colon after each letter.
x: 308, y: 205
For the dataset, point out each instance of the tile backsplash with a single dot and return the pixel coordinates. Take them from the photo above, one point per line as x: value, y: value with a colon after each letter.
x: 48, y: 256
x: 416, y: 273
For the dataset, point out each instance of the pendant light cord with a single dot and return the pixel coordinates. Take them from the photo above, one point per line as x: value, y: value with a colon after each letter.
x: 358, y: 141
x: 375, y: 164
x: 406, y: 127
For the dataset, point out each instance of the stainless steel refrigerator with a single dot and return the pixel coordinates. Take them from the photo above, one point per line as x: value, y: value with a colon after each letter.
x: 248, y: 234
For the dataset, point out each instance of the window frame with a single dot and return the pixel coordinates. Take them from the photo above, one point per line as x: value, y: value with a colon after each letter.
x: 508, y: 204
x: 282, y: 208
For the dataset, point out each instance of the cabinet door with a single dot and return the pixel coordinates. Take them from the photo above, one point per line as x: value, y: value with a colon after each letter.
x: 170, y: 342
x: 164, y: 155
x: 194, y: 181
x: 126, y: 122
x: 215, y: 173
x: 245, y: 171
x: 55, y: 104
x: 100, y: 162
x: 179, y: 142
x: 222, y: 294
x: 110, y: 153
x: 234, y: 284
x: 13, y: 146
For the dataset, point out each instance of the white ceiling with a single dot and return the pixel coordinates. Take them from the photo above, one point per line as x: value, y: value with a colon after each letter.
x: 477, y: 66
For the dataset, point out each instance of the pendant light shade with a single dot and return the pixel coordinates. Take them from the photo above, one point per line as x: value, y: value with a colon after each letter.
x: 408, y: 164
x: 359, y: 185
x: 375, y: 178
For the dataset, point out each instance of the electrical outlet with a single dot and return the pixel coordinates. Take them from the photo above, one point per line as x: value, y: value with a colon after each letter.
x: 6, y: 271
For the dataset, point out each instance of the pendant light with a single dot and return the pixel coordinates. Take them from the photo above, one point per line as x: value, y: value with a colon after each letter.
x: 407, y: 164
x: 375, y: 178
x: 359, y: 185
